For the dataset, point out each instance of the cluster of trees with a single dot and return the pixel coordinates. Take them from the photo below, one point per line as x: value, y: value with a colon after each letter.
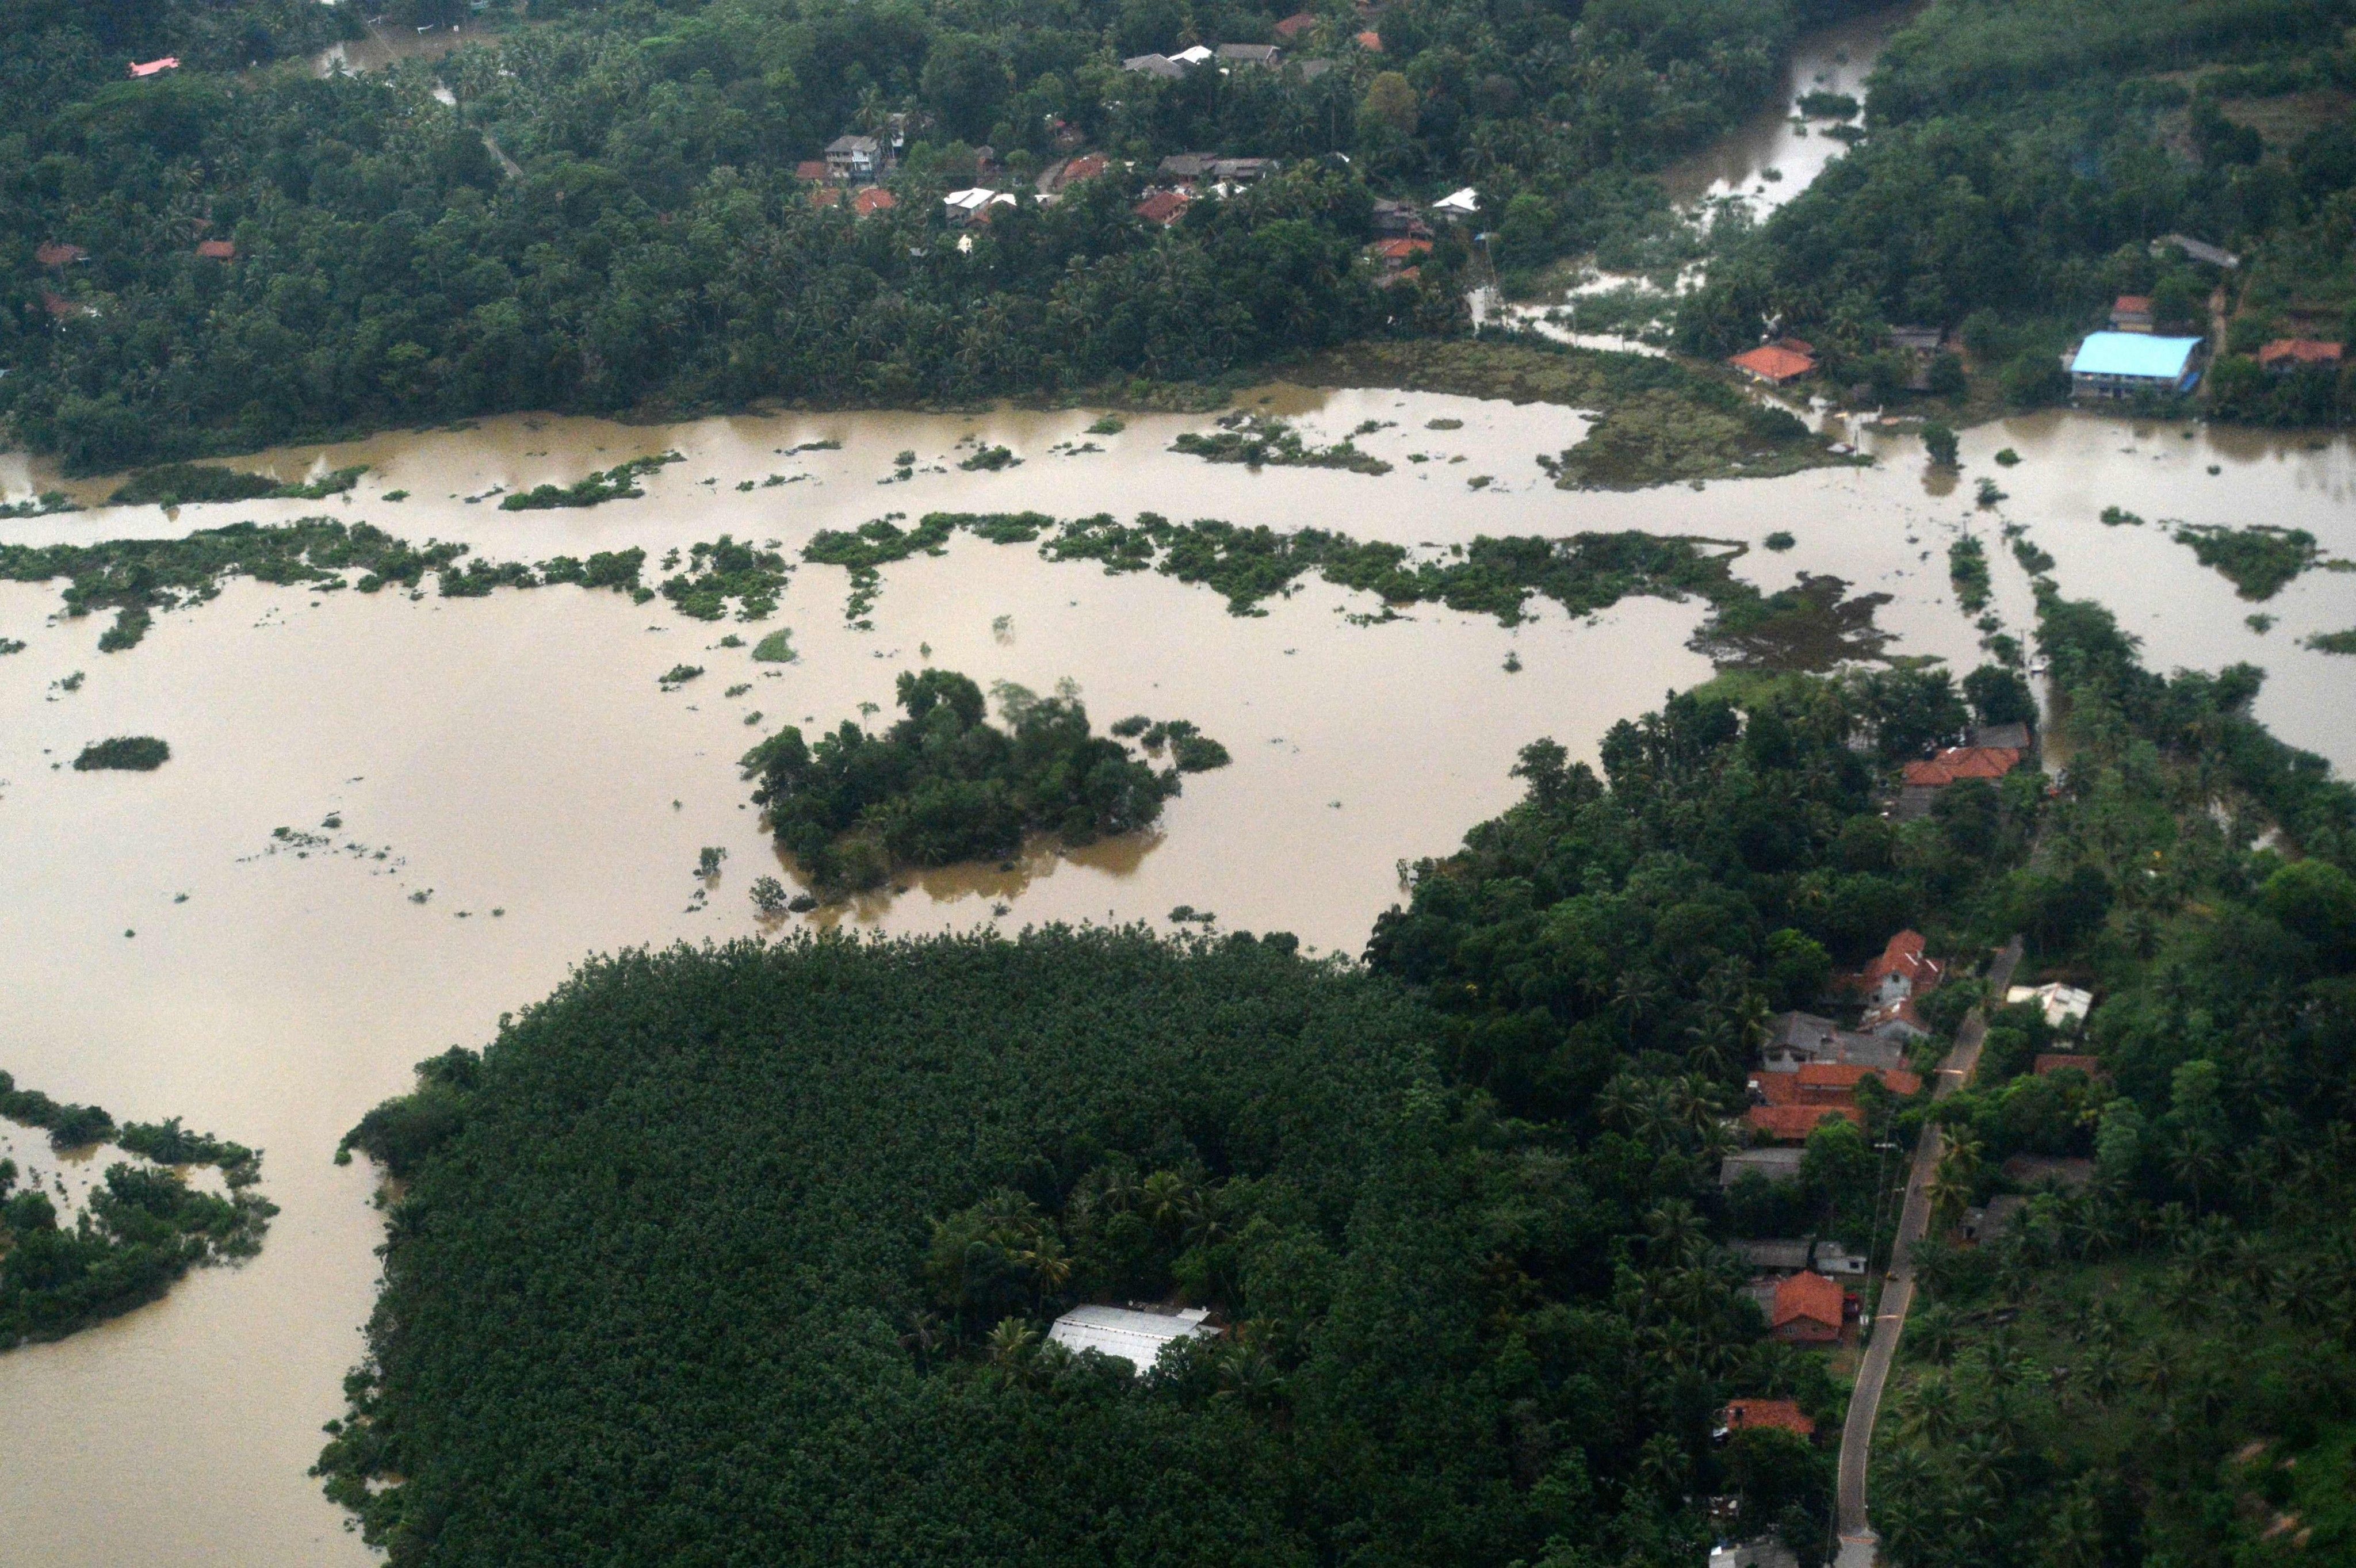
x: 945, y: 785
x: 2147, y: 1367
x: 142, y: 1228
x: 607, y: 216
x: 756, y: 1245
x: 2019, y: 163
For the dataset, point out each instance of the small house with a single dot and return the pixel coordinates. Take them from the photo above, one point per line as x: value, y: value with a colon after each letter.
x: 1915, y: 340
x: 1771, y: 1164
x: 1798, y: 1039
x: 2013, y: 736
x: 811, y: 170
x: 1242, y: 171
x: 1774, y: 364
x: 1793, y: 1123
x: 1189, y: 57
x: 1778, y: 1257
x: 857, y: 159
x: 1370, y: 40
x: 1457, y: 205
x: 1834, y: 1259
x: 1158, y: 65
x: 56, y: 254
x: 142, y: 69
x: 1895, y: 1020
x: 1135, y: 1335
x: 1292, y: 26
x: 1087, y: 166
x: 2061, y: 1004
x: 872, y: 201
x: 2284, y: 355
x: 1809, y: 1310
x: 1163, y: 207
x: 2133, y: 364
x: 2049, y: 1062
x: 973, y: 205
x: 1394, y: 220
x: 1756, y: 1414
x: 217, y: 250
x: 2199, y: 250
x: 1264, y: 56
x: 1904, y: 968
x: 2131, y: 313
x: 1393, y: 257
x: 1184, y: 168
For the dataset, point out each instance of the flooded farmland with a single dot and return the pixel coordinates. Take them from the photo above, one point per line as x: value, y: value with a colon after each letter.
x: 513, y: 760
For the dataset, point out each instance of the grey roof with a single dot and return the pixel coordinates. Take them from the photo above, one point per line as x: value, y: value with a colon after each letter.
x: 1310, y: 69
x: 1126, y: 1333
x: 1187, y: 165
x: 851, y: 144
x: 2200, y: 249
x: 1153, y: 65
x: 1919, y: 339
x: 2014, y: 735
x: 1242, y: 168
x: 1252, y: 53
x: 1790, y: 1256
x: 1822, y: 1040
x: 1775, y: 1164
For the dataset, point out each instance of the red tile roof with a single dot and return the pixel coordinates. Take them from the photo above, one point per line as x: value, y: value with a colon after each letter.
x: 1783, y: 1416
x: 155, y: 67
x: 57, y: 254
x: 1371, y: 41
x: 1295, y: 24
x: 810, y: 169
x: 874, y: 199
x: 2298, y: 351
x: 1904, y: 957
x: 1774, y: 364
x: 1963, y: 762
x: 1816, y: 1080
x: 2131, y: 305
x: 217, y: 250
x: 1087, y: 166
x: 827, y: 196
x: 1793, y: 1123
x: 2054, y: 1061
x: 59, y: 306
x: 1807, y: 1307
x: 1162, y: 207
x: 1400, y: 250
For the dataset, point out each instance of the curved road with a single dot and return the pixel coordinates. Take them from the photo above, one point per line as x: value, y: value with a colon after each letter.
x: 1858, y: 1541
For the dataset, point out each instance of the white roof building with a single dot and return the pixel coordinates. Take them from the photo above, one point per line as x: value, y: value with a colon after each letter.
x: 2062, y: 1003
x: 1195, y: 56
x: 1128, y: 1333
x: 1461, y: 203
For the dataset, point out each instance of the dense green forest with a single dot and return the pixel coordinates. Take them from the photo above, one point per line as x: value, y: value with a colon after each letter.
x: 944, y: 784
x: 143, y: 1226
x: 2020, y: 162
x: 607, y: 216
x: 2155, y: 1366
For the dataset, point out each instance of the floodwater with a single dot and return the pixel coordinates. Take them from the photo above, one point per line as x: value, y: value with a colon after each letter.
x: 1775, y: 155
x: 513, y: 760
x: 384, y: 43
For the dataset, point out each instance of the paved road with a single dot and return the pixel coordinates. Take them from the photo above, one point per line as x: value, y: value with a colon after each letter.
x: 1856, y: 1538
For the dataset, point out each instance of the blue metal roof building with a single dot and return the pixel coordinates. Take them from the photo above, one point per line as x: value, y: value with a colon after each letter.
x: 2121, y: 364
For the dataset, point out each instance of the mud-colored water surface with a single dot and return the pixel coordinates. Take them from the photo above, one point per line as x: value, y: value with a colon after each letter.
x: 510, y: 789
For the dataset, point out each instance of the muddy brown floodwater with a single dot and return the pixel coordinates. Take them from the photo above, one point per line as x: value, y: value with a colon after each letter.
x: 512, y: 760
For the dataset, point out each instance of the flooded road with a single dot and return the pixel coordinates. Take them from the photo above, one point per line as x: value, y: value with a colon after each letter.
x: 513, y: 760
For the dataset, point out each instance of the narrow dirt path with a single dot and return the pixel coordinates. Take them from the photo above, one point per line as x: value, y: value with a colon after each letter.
x: 1858, y: 1541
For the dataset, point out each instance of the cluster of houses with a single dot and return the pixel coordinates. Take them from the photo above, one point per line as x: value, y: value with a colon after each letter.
x: 1256, y: 57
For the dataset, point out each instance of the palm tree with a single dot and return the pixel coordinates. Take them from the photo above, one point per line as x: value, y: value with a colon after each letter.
x: 1927, y: 1411
x: 1012, y: 1346
x: 1678, y: 1238
x: 1955, y: 1181
x: 925, y: 1336
x: 1638, y: 996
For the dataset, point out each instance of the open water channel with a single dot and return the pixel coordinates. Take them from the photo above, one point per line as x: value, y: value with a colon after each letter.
x: 514, y: 759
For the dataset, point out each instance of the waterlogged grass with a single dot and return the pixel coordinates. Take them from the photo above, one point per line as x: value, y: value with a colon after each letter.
x: 778, y: 647
x: 1259, y: 441
x: 1967, y: 569
x: 2259, y: 561
x: 620, y: 482
x: 193, y: 484
x: 124, y: 753
x: 2333, y: 641
x: 144, y: 1227
x: 46, y: 504
x: 1582, y: 573
x: 726, y: 570
x: 1659, y: 421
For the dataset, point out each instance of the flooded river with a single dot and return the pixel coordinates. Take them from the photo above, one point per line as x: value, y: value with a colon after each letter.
x: 513, y: 760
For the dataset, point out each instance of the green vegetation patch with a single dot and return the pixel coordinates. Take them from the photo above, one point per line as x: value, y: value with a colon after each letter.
x: 2259, y: 560
x: 776, y: 648
x: 190, y: 484
x: 144, y: 1228
x: 620, y: 482
x: 46, y: 504
x: 724, y: 570
x: 2333, y: 641
x: 1967, y: 569
x: 1260, y: 441
x: 130, y: 753
x: 944, y: 785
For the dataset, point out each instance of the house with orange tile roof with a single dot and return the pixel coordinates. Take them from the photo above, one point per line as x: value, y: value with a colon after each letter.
x: 1292, y: 26
x: 2131, y: 313
x: 872, y: 200
x: 2284, y: 355
x: 1761, y: 1415
x: 1809, y: 1310
x: 1163, y: 207
x: 1954, y: 763
x: 142, y: 69
x: 1793, y: 1123
x: 1774, y: 364
x: 217, y: 250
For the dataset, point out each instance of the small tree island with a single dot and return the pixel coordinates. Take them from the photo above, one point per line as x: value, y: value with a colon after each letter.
x: 944, y: 785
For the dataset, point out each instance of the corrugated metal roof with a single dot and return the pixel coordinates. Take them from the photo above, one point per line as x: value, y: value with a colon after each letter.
x: 2134, y: 354
x: 1137, y: 1337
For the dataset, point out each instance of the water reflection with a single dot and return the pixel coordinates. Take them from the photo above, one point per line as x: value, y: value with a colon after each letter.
x: 995, y: 883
